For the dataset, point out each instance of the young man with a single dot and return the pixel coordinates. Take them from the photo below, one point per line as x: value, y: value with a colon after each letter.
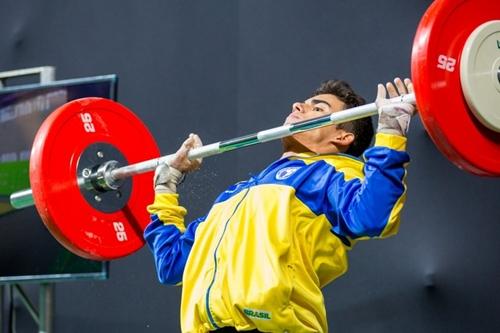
x: 258, y: 260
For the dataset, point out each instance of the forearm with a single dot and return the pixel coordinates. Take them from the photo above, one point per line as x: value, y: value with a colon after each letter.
x: 385, y: 172
x: 371, y: 207
x: 166, y: 207
x: 165, y: 236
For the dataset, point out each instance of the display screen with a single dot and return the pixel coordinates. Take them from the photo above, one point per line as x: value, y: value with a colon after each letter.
x: 27, y: 249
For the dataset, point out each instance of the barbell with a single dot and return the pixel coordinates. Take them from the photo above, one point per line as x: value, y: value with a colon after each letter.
x: 85, y: 153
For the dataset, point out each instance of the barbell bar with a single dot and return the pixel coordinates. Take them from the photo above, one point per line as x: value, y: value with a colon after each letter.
x: 24, y: 198
x: 94, y: 180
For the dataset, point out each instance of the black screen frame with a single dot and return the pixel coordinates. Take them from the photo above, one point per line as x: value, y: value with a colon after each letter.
x: 102, y: 273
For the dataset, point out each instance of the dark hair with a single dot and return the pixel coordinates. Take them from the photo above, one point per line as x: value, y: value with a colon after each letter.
x: 361, y: 128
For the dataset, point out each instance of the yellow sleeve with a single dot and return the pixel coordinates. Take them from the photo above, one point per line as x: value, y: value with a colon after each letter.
x: 168, y: 210
x: 392, y: 141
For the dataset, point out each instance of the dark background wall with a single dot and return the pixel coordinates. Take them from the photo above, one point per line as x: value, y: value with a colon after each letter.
x: 228, y: 68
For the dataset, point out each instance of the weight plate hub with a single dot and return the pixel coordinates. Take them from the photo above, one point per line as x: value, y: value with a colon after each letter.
x: 94, y: 158
x: 63, y: 141
x: 437, y: 48
x: 479, y: 73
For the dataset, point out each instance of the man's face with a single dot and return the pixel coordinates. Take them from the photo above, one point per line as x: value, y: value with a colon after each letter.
x: 319, y: 140
x: 317, y: 106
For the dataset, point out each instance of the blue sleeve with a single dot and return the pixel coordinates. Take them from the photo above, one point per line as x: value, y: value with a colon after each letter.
x: 170, y: 247
x: 371, y: 207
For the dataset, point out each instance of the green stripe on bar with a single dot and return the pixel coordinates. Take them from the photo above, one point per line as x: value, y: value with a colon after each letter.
x: 310, y: 124
x: 239, y: 142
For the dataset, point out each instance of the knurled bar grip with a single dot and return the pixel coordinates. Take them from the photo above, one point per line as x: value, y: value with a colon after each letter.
x: 24, y: 198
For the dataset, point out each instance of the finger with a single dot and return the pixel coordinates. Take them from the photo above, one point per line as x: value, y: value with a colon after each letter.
x: 401, y: 86
x: 409, y: 85
x: 391, y: 90
x: 381, y: 92
x: 189, y: 143
x: 411, y: 90
x: 197, y: 141
x: 196, y: 164
x: 183, y: 149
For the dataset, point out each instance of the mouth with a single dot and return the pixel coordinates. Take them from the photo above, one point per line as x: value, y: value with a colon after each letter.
x: 292, y: 118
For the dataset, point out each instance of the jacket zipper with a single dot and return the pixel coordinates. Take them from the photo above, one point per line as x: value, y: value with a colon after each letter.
x: 207, y: 296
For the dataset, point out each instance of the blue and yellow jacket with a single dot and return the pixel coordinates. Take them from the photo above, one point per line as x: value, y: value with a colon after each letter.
x: 261, y: 255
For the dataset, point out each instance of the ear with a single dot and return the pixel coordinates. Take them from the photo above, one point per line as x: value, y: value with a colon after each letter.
x: 343, y: 139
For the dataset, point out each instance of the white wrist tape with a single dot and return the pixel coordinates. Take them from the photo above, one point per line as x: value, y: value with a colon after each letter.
x: 395, y: 118
x: 166, y: 179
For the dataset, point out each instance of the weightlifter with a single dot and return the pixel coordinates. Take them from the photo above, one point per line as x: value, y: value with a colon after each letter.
x: 259, y: 258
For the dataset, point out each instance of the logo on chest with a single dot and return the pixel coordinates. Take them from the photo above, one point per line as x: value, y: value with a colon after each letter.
x: 286, y: 173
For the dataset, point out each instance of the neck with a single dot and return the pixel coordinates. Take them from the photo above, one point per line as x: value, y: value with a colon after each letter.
x: 292, y: 147
x: 289, y: 154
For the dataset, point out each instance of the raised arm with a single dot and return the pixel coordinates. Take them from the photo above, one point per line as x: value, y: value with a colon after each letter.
x: 168, y: 238
x: 370, y: 206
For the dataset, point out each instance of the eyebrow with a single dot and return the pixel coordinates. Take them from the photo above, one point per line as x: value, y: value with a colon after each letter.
x: 317, y: 101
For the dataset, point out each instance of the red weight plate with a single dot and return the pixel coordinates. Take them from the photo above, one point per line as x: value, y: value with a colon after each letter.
x: 437, y: 49
x: 59, y: 143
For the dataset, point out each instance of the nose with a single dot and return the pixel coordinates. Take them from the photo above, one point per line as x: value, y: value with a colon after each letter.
x: 299, y: 107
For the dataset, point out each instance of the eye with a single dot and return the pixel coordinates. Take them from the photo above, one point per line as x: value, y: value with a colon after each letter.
x: 317, y: 109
